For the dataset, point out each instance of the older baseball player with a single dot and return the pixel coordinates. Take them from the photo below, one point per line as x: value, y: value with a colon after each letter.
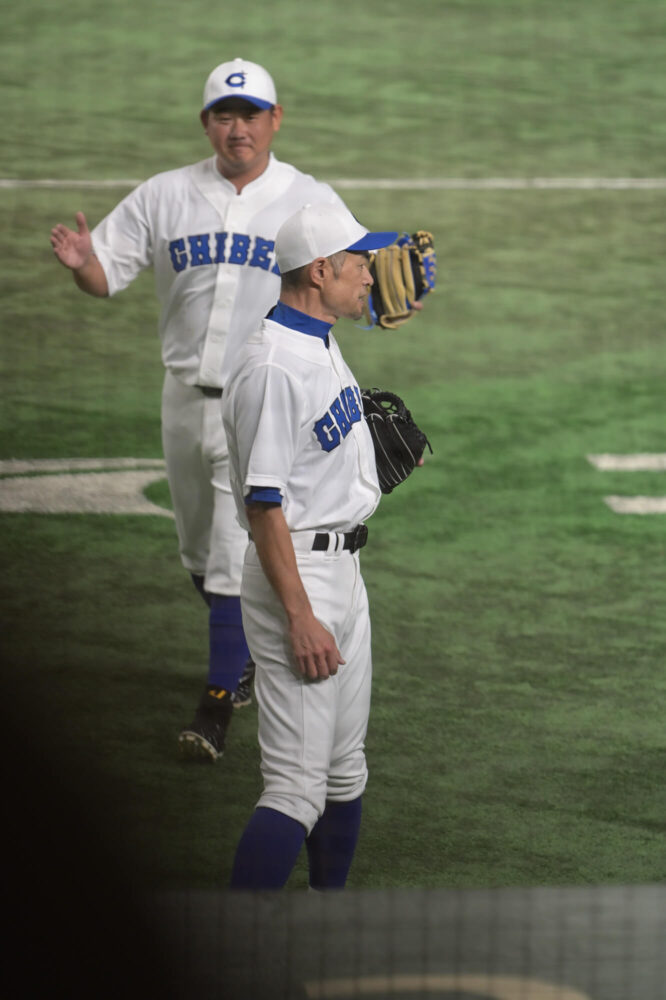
x: 208, y: 231
x: 304, y: 480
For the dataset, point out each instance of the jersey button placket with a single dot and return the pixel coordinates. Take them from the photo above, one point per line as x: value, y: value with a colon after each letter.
x: 219, y: 322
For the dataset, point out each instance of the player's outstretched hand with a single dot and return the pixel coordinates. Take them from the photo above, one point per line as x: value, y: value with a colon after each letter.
x: 315, y: 651
x: 73, y: 249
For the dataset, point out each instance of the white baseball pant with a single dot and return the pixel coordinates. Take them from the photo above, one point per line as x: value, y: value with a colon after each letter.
x: 311, y: 733
x: 211, y: 541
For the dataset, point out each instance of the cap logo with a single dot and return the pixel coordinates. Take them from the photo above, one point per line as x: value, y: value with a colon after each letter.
x: 235, y: 80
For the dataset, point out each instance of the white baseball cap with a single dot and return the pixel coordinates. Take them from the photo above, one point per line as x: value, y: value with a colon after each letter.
x: 240, y: 78
x: 321, y: 230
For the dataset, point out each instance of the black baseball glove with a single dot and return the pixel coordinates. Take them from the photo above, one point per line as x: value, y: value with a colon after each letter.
x: 399, y: 442
x: 403, y: 273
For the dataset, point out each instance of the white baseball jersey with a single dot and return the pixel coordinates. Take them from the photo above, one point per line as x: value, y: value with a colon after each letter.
x: 294, y: 420
x: 212, y: 250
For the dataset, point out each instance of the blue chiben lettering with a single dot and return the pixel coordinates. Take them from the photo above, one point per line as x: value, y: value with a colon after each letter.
x: 240, y: 245
x: 199, y: 250
x: 202, y: 249
x: 337, y: 422
x: 327, y: 433
x: 260, y: 257
x: 220, y: 240
x: 341, y: 418
x: 178, y: 254
x: 352, y: 406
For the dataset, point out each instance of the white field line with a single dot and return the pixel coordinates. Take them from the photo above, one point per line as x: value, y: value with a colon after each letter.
x: 12, y: 184
x: 636, y: 505
x: 116, y: 485
x: 505, y: 183
x: 80, y: 486
x: 21, y: 466
x: 640, y: 462
x: 119, y: 492
x: 401, y: 184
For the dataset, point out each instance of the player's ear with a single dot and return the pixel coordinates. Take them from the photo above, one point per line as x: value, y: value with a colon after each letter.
x: 276, y: 116
x: 203, y: 115
x: 317, y: 271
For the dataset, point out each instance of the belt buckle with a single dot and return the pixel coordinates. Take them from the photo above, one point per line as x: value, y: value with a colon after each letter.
x: 359, y: 537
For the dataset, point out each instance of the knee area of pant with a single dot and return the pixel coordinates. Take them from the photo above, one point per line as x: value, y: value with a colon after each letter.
x: 346, y: 788
x: 303, y: 810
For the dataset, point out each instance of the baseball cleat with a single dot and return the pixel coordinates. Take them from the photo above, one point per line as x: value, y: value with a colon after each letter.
x: 204, y: 738
x: 242, y: 696
x: 195, y: 746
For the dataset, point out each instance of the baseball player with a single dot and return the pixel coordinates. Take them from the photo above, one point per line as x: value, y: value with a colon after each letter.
x: 304, y: 481
x: 208, y: 231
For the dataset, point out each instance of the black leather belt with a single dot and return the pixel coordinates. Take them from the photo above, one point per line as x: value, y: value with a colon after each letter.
x: 211, y: 391
x: 353, y: 540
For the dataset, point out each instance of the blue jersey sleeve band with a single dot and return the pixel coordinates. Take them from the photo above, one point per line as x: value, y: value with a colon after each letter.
x: 263, y: 495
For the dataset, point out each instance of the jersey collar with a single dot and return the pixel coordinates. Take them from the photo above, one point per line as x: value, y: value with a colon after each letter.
x: 294, y: 319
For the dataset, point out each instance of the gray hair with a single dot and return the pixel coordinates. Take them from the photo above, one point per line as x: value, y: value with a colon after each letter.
x: 296, y: 278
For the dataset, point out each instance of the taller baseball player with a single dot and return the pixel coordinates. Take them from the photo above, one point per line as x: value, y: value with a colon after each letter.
x: 208, y: 230
x: 304, y: 481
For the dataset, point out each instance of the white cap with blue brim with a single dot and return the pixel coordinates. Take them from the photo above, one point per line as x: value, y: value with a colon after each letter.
x: 240, y: 78
x: 320, y: 231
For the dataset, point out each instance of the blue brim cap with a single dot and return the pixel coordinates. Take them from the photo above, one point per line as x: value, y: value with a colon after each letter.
x: 240, y: 78
x: 320, y: 231
x: 373, y: 241
x: 257, y: 101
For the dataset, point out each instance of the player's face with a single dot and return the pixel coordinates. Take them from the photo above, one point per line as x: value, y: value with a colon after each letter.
x: 346, y: 292
x: 241, y: 135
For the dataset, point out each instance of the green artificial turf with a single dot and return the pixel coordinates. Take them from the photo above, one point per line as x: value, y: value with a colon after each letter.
x: 517, y: 732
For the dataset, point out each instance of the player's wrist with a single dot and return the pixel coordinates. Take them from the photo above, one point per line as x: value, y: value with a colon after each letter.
x: 86, y: 263
x: 300, y: 615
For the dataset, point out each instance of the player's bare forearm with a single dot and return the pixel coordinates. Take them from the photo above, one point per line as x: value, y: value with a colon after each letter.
x: 315, y: 651
x: 91, y: 278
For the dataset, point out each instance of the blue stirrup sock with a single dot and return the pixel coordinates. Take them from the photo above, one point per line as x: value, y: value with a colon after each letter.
x: 228, y: 652
x: 227, y: 648
x: 332, y: 844
x: 267, y: 851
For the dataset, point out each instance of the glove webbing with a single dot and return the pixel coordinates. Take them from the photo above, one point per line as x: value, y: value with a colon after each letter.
x: 394, y: 285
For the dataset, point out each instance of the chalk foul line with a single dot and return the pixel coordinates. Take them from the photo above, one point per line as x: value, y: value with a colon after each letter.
x: 391, y: 183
